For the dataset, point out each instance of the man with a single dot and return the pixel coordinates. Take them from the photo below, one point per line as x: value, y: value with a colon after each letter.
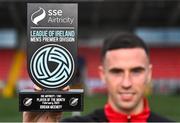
x: 126, y: 71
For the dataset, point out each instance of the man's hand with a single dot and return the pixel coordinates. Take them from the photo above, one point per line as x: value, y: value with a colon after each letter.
x: 43, y: 116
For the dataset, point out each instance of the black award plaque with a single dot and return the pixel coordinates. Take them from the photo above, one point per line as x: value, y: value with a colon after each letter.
x: 51, y: 58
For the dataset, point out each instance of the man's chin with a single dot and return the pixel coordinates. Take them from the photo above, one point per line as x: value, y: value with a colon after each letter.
x: 127, y: 103
x: 126, y: 107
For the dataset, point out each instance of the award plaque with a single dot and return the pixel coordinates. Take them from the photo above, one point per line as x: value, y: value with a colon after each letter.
x: 51, y: 58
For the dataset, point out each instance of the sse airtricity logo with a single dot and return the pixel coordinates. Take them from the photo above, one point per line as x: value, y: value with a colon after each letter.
x: 52, y: 66
x: 38, y: 15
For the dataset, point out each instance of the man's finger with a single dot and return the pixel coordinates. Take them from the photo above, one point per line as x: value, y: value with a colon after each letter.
x: 67, y: 88
x: 37, y: 88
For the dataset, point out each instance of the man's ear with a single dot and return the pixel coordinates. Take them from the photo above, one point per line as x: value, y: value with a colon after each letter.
x: 150, y: 73
x: 101, y: 73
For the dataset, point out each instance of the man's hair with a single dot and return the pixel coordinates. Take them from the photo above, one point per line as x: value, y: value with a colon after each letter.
x: 123, y: 40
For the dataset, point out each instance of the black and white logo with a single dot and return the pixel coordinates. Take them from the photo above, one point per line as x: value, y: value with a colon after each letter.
x: 52, y: 66
x: 27, y: 101
x: 73, y: 101
x: 38, y: 15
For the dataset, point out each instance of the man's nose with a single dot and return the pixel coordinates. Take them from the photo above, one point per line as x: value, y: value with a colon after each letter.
x: 126, y: 82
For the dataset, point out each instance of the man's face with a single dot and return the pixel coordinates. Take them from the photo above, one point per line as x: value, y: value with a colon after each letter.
x: 126, y: 73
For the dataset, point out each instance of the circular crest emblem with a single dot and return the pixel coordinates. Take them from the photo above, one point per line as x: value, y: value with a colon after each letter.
x: 52, y: 66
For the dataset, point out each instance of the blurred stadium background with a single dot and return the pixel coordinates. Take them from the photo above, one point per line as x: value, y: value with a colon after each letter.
x: 157, y: 22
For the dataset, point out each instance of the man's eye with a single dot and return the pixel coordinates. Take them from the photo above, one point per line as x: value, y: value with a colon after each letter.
x: 116, y: 71
x: 138, y: 70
